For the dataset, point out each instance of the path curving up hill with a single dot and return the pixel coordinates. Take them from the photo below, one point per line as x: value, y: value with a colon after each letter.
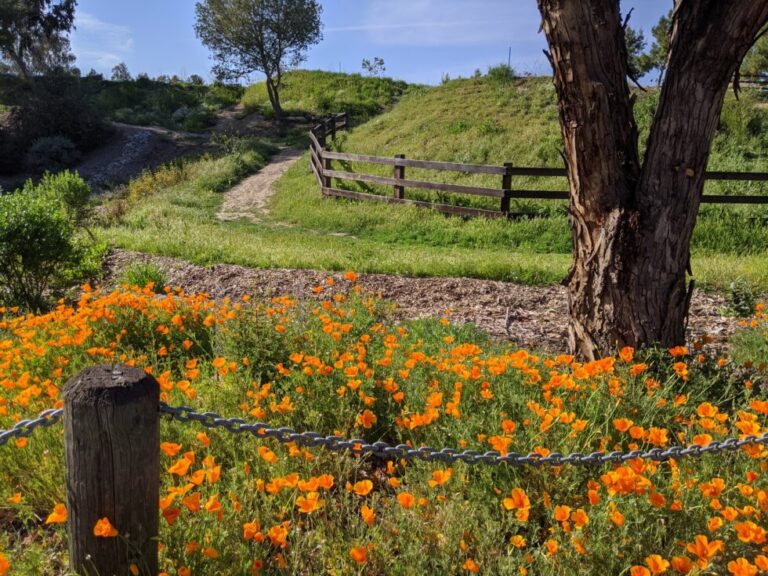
x: 249, y: 198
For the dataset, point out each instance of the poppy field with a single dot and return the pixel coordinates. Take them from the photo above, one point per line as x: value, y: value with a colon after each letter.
x: 340, y: 364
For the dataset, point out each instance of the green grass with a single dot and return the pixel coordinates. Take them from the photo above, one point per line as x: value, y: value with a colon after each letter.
x: 519, y: 123
x: 316, y: 92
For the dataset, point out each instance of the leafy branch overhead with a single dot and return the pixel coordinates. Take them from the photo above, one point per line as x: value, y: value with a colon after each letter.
x: 33, y: 35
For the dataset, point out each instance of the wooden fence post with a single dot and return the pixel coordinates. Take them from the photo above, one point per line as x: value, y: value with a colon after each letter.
x: 112, y: 456
x: 333, y: 127
x: 399, y: 175
x: 326, y: 165
x: 506, y: 185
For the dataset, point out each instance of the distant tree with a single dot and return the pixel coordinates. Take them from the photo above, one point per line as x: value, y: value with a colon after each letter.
x: 639, y: 62
x: 33, y: 35
x: 120, y: 73
x: 375, y: 68
x: 267, y: 36
x: 756, y: 62
x: 163, y: 79
x: 197, y: 80
x: 656, y: 59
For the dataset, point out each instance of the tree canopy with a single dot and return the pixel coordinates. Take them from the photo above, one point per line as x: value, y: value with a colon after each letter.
x: 267, y: 36
x: 33, y: 35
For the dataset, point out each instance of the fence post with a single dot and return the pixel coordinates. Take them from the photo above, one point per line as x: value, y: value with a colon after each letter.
x: 506, y: 185
x: 399, y: 175
x: 112, y: 457
x: 326, y: 165
x: 333, y: 127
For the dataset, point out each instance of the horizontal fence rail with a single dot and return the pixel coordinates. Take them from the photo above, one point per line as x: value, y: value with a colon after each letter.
x: 321, y: 163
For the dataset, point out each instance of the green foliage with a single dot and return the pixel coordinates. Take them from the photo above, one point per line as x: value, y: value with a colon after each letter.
x: 33, y: 35
x: 315, y: 92
x: 36, y: 244
x: 144, y: 274
x: 52, y: 153
x: 741, y: 298
x: 182, y: 105
x: 639, y: 63
x: 500, y: 74
x: 55, y: 106
x: 267, y: 36
x: 756, y: 62
x: 40, y: 248
x: 69, y: 189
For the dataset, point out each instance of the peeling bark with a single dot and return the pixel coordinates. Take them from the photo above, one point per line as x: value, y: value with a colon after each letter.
x: 631, y: 223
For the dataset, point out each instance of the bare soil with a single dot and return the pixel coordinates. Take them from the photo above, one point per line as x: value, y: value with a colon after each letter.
x: 135, y: 149
x: 249, y: 198
x: 529, y: 316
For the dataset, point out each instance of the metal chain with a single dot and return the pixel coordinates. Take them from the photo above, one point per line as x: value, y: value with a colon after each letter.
x: 24, y: 428
x: 448, y: 455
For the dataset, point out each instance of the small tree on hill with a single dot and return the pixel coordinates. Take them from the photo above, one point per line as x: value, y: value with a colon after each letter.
x: 375, y: 68
x: 267, y: 36
x: 33, y: 35
x: 120, y: 73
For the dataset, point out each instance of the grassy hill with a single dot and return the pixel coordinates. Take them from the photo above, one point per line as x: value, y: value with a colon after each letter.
x: 479, y: 120
x: 484, y: 121
x: 317, y: 92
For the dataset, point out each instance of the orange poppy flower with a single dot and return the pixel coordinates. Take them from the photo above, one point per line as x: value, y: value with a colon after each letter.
x: 104, y: 529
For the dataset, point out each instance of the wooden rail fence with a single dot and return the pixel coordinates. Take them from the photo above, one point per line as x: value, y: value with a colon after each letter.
x: 321, y: 161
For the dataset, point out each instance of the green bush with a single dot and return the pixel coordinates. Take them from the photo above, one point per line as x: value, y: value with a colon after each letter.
x: 52, y: 153
x: 39, y: 246
x: 68, y: 188
x: 36, y: 244
x: 500, y: 74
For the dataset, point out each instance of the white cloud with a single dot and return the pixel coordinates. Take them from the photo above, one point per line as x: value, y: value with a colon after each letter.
x: 98, y: 44
x: 442, y: 22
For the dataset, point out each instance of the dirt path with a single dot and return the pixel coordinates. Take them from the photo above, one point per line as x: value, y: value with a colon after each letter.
x: 530, y: 316
x: 249, y: 198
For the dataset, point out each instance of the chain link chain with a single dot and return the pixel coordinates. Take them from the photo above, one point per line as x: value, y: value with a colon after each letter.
x: 24, y: 428
x: 448, y: 455
x: 47, y: 418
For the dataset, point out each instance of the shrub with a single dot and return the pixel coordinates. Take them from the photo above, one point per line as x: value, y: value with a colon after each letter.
x: 144, y: 275
x: 68, y: 188
x: 741, y: 298
x: 501, y: 74
x: 39, y: 248
x: 52, y: 153
x: 36, y: 244
x: 59, y: 106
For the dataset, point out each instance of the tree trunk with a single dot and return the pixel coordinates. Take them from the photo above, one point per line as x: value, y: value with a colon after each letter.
x: 274, y: 98
x: 632, y: 225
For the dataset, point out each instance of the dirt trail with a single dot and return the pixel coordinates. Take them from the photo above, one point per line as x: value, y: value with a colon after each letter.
x: 249, y: 198
x: 530, y: 316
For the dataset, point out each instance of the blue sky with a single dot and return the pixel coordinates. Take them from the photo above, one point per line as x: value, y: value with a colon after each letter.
x: 419, y: 40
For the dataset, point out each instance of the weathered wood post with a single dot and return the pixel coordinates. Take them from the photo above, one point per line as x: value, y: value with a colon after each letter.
x: 326, y: 164
x: 333, y: 127
x: 112, y: 456
x: 506, y: 185
x: 399, y: 175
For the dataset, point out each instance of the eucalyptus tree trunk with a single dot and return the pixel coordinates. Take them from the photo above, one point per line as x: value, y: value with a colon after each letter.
x: 632, y: 222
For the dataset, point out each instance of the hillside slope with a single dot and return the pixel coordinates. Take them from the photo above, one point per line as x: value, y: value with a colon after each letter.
x: 484, y: 121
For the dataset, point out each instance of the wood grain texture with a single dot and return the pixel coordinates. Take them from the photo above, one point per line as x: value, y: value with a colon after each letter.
x: 632, y: 224
x: 112, y: 455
